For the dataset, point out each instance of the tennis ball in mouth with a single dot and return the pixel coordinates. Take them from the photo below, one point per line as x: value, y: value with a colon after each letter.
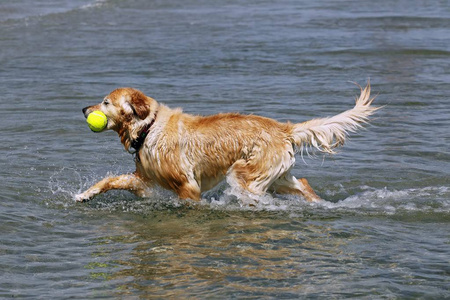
x: 97, y: 121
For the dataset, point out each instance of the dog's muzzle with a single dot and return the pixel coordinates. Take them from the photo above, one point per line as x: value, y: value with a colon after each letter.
x: 86, y: 111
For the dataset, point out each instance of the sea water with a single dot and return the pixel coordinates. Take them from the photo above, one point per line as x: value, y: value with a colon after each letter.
x: 382, y: 230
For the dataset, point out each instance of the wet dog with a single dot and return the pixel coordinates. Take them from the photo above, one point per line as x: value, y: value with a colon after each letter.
x: 190, y: 154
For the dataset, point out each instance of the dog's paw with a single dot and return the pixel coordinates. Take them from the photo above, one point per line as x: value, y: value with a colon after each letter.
x: 81, y: 197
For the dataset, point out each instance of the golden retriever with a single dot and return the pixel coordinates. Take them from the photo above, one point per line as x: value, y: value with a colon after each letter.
x: 190, y: 154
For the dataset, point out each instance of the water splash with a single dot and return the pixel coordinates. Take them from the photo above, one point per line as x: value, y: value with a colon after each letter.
x: 371, y: 200
x: 59, y: 182
x: 66, y: 183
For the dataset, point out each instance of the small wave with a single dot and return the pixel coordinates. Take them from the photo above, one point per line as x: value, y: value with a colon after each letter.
x: 23, y: 13
x: 95, y: 4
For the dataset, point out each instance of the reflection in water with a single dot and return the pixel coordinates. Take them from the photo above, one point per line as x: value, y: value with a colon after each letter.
x: 157, y: 247
x: 194, y: 251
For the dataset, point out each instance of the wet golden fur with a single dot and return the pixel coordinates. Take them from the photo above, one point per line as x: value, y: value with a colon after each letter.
x: 190, y: 154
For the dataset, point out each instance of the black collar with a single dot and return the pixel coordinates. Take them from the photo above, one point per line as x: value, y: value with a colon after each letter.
x: 137, y: 143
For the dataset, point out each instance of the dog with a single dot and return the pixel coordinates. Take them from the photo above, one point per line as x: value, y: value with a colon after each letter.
x: 190, y: 154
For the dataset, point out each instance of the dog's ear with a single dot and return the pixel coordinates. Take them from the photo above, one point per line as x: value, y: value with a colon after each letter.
x: 138, y: 105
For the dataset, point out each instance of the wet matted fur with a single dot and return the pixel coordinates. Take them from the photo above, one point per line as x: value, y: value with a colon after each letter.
x: 190, y: 154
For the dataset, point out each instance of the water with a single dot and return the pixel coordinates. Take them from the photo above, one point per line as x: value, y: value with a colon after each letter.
x: 383, y: 231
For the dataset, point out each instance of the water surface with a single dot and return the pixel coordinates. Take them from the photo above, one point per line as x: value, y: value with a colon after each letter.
x: 382, y: 231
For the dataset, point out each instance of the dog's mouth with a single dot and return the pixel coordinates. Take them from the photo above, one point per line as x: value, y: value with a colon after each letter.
x: 86, y: 111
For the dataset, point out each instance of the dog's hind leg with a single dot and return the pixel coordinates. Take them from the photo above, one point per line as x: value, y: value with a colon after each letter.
x: 291, y: 185
x: 257, y: 173
x: 188, y: 190
x: 244, y: 176
x: 129, y: 182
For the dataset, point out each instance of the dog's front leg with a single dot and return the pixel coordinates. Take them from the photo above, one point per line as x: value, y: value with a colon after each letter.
x: 129, y: 182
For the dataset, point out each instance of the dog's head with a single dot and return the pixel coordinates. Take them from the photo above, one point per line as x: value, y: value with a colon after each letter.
x: 128, y: 111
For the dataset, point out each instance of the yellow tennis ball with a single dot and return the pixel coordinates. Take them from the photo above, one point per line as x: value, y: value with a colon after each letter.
x: 97, y: 121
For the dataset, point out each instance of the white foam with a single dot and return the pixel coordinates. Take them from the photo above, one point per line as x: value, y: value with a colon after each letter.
x: 95, y: 4
x: 390, y: 201
x: 380, y: 200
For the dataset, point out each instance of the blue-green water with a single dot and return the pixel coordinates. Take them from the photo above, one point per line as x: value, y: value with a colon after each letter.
x: 383, y: 231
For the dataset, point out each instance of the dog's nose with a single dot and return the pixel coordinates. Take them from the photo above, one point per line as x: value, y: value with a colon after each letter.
x: 85, y: 109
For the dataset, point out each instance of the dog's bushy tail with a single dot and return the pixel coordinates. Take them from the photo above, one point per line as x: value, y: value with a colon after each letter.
x: 328, y: 133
